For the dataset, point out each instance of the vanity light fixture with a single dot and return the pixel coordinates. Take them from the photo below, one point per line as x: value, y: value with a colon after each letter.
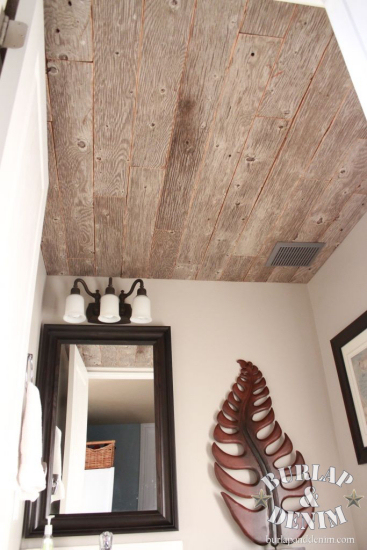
x: 108, y: 308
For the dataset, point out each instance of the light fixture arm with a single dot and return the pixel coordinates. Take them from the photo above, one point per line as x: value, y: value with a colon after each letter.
x: 136, y: 282
x: 96, y: 295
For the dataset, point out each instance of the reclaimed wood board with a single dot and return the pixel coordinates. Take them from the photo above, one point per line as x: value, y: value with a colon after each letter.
x: 163, y: 253
x: 142, y: 203
x: 328, y: 91
x: 208, y: 57
x: 282, y: 274
x: 81, y: 267
x: 117, y: 31
x: 303, y: 197
x: 349, y: 125
x: 185, y: 271
x: 303, y: 49
x: 258, y: 271
x: 72, y: 106
x: 348, y: 217
x: 53, y: 244
x: 165, y: 40
x: 236, y: 268
x: 243, y: 89
x: 68, y: 30
x: 261, y: 148
x: 267, y: 18
x: 48, y: 104
x: 109, y: 224
x: 349, y: 179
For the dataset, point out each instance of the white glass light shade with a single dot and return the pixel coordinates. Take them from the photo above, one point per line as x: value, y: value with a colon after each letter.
x: 109, y: 312
x: 141, y: 309
x: 74, y: 309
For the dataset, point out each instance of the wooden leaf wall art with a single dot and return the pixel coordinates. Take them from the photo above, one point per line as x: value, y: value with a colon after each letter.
x: 236, y: 424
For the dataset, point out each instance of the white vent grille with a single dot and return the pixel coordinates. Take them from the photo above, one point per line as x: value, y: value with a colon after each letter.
x: 294, y: 254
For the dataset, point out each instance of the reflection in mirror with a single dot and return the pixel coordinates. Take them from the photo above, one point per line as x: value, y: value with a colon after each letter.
x: 105, y: 454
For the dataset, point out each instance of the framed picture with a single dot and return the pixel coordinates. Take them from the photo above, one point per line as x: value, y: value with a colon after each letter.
x: 350, y: 353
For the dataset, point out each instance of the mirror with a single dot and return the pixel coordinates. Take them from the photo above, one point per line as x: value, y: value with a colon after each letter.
x: 108, y: 430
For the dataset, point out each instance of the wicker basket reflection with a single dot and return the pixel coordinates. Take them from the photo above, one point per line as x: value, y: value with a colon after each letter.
x: 99, y: 454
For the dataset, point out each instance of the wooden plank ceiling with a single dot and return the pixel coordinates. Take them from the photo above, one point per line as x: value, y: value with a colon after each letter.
x: 187, y: 137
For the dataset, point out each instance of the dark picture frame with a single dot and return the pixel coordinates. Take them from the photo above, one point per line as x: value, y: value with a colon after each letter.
x: 338, y: 343
x: 165, y: 518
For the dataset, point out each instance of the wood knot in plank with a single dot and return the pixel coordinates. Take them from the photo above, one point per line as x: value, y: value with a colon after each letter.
x: 51, y: 69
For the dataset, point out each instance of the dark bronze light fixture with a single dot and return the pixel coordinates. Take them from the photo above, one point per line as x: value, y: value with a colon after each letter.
x: 108, y: 308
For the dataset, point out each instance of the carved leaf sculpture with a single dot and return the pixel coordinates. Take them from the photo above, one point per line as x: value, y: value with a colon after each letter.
x: 236, y: 424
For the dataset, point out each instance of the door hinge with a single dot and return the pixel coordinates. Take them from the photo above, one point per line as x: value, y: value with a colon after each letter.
x: 12, y: 33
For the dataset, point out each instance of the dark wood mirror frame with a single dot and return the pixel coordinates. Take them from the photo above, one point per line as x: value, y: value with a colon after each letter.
x: 165, y: 518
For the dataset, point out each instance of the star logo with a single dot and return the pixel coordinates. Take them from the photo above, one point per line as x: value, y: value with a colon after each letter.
x: 261, y: 499
x: 353, y: 499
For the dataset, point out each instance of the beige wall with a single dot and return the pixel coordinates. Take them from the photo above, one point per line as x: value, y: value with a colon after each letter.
x: 213, y: 324
x: 338, y: 294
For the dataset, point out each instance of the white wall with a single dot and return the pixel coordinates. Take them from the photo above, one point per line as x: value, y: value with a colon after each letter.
x: 338, y: 294
x: 213, y: 324
x: 16, y: 526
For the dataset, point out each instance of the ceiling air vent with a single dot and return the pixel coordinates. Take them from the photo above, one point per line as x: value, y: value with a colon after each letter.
x: 294, y: 254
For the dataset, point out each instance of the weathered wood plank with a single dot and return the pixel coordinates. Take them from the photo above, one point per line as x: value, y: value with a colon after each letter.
x: 165, y: 40
x: 117, y: 28
x: 71, y: 100
x: 264, y: 140
x: 243, y: 89
x: 185, y: 271
x: 303, y: 196
x: 308, y: 36
x: 109, y: 223
x: 81, y: 267
x: 267, y: 18
x: 349, y: 125
x: 282, y: 274
x: 325, y: 95
x: 48, y: 104
x: 350, y: 178
x: 68, y: 30
x: 236, y: 268
x: 142, y: 203
x: 53, y: 237
x: 348, y: 217
x: 163, y: 253
x: 207, y: 59
x: 258, y: 271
